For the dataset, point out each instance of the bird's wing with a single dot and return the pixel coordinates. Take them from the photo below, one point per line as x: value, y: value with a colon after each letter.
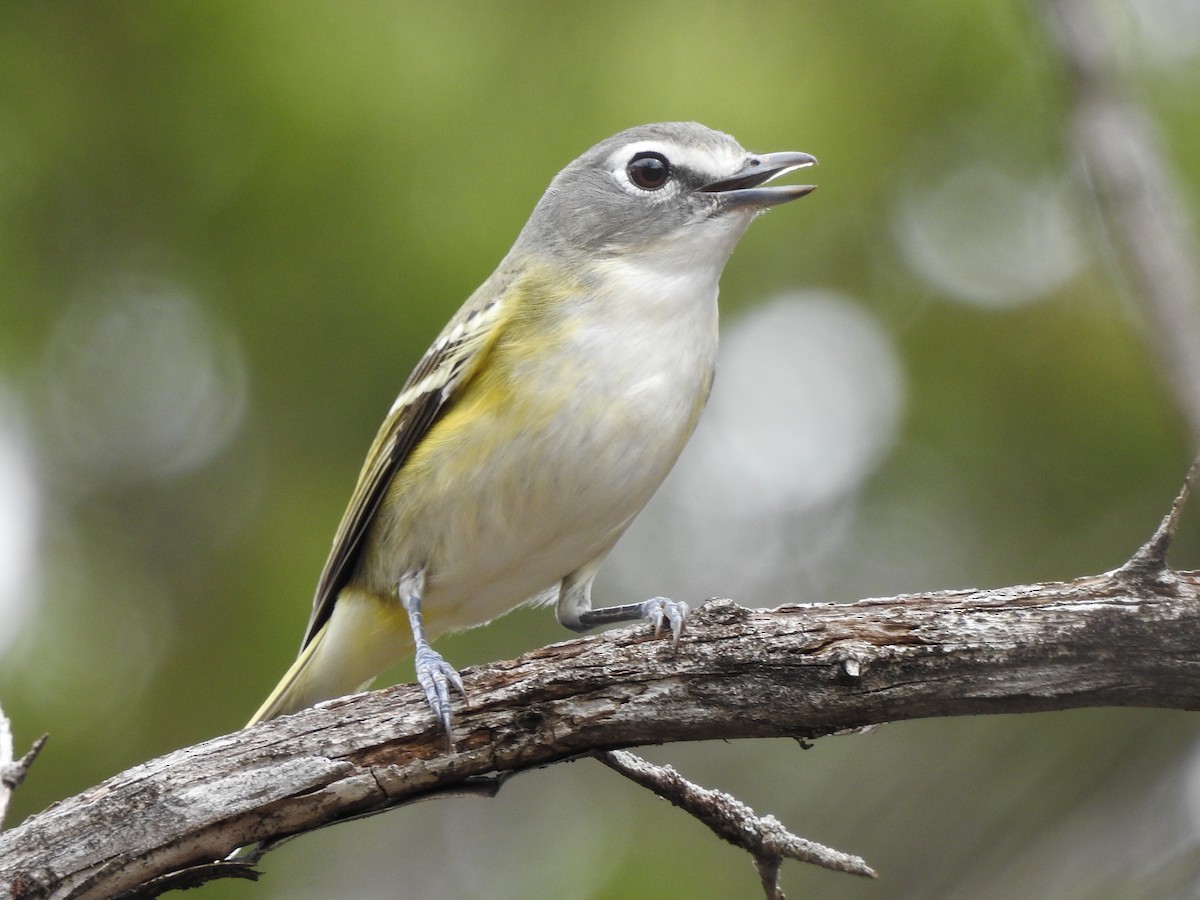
x: 434, y: 384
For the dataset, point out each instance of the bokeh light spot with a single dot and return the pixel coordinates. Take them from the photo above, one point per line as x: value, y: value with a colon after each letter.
x: 807, y: 402
x: 989, y: 238
x: 142, y: 385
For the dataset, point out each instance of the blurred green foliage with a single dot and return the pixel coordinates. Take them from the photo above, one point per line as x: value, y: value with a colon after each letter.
x: 314, y: 188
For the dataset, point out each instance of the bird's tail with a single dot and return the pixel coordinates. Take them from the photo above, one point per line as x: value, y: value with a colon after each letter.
x: 362, y: 637
x: 291, y: 693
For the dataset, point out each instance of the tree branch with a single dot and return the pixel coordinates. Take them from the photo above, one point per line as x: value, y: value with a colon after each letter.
x: 1125, y: 638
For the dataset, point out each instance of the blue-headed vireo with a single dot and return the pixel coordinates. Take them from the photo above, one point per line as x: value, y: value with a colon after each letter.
x: 543, y: 417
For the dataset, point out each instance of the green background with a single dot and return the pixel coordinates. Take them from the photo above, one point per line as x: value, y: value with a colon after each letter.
x: 228, y: 230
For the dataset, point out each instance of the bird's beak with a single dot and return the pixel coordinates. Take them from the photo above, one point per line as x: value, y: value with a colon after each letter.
x: 743, y: 189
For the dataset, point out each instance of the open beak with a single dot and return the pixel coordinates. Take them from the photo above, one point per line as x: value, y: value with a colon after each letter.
x: 744, y: 188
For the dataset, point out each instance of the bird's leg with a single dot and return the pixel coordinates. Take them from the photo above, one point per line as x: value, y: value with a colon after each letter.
x: 656, y: 611
x: 574, y: 608
x: 434, y: 674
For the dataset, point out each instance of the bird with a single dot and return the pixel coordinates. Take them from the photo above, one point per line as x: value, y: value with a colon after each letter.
x: 542, y: 418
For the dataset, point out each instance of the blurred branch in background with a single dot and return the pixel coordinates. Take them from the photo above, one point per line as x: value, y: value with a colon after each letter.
x: 1121, y: 153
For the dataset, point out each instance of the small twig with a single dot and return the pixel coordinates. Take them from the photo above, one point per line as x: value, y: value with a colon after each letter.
x: 1150, y: 559
x: 763, y: 837
x: 13, y: 772
x: 6, y: 758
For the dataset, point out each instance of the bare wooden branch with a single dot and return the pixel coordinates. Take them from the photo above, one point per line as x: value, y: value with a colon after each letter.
x: 6, y: 760
x: 13, y: 771
x: 803, y: 671
x: 763, y: 837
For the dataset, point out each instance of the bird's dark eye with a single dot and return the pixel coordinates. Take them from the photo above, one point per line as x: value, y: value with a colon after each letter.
x: 648, y: 170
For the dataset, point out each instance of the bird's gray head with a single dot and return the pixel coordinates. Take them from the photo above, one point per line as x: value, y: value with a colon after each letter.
x: 667, y: 182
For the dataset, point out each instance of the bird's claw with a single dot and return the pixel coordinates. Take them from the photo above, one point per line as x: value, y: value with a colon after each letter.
x: 660, y: 610
x: 436, y: 677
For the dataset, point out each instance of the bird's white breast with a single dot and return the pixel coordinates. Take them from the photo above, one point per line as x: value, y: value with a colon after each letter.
x: 624, y: 388
x: 594, y: 417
